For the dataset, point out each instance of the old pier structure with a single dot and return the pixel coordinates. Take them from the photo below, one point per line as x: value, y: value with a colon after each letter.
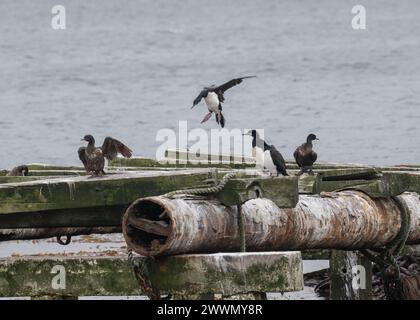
x: 197, y: 236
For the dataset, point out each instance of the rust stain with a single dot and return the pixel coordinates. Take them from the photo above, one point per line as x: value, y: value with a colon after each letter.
x: 342, y: 220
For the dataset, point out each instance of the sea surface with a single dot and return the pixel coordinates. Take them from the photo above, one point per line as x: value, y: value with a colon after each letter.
x: 130, y: 68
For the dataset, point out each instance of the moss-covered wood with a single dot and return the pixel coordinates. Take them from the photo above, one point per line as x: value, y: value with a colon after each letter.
x: 65, y: 218
x: 227, y: 273
x: 350, y: 276
x: 84, y: 276
x: 85, y: 192
x: 171, y: 163
x: 310, y: 184
x: 283, y: 191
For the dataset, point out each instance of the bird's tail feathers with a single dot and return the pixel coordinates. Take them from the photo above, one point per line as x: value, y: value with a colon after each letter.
x: 222, y: 120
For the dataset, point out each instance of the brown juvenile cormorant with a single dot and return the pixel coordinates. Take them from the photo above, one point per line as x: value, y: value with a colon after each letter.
x: 305, y: 156
x: 93, y: 158
x: 213, y: 96
x: 267, y: 155
x: 19, y: 171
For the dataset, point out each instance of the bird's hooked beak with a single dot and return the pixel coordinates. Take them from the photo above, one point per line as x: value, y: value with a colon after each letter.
x: 193, y: 106
x: 83, y: 139
x: 316, y: 139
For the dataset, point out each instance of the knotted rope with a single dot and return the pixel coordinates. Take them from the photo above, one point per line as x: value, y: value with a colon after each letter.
x: 385, y: 257
x: 206, y: 190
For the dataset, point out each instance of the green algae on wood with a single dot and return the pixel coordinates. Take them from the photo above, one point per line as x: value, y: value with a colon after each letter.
x: 83, y: 192
x: 283, y: 191
x: 227, y: 273
x: 310, y: 184
x: 84, y: 276
x: 351, y: 276
x: 169, y: 163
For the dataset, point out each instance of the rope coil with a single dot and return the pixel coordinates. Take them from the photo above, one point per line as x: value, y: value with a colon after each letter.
x: 385, y: 257
x: 209, y: 190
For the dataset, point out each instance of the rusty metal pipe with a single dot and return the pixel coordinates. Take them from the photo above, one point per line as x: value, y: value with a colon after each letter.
x: 42, y: 233
x: 344, y: 220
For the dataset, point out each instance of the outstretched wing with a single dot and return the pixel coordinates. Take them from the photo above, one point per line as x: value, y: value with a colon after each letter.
x: 278, y: 161
x: 226, y: 86
x: 82, y: 156
x: 111, y: 147
x: 197, y: 100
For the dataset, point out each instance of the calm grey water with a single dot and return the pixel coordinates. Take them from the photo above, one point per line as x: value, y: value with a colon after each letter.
x: 130, y: 68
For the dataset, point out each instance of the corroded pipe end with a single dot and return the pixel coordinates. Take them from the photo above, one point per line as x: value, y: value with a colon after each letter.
x: 147, y: 225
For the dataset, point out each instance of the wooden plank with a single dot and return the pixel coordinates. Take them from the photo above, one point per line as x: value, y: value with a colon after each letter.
x: 171, y: 163
x: 85, y: 192
x: 106, y: 275
x: 179, y: 154
x: 5, y: 179
x: 227, y: 273
x: 64, y: 218
x: 329, y: 186
x: 351, y: 276
x: 389, y: 185
x: 112, y: 275
x: 155, y: 227
x: 42, y: 166
x: 283, y: 191
x: 349, y: 174
x: 310, y: 184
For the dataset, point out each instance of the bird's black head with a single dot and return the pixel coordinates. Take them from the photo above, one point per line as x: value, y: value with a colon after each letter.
x: 203, y: 94
x: 89, y: 138
x: 256, y: 140
x: 311, y: 138
x: 253, y: 133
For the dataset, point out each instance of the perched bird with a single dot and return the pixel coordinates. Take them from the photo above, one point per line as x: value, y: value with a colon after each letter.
x: 213, y: 96
x: 19, y: 171
x: 305, y: 156
x: 267, y: 155
x: 93, y: 158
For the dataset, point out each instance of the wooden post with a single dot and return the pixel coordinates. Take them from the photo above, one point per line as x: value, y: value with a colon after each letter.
x: 351, y: 276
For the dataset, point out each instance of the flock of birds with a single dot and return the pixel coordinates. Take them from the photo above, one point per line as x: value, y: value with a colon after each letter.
x: 93, y: 157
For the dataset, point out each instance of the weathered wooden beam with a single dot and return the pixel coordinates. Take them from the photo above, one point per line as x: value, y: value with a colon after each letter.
x: 159, y: 228
x: 42, y: 233
x: 64, y: 218
x: 310, y: 184
x: 389, y: 185
x: 35, y: 276
x: 283, y: 191
x: 6, y: 179
x: 85, y: 192
x: 344, y: 220
x: 350, y: 276
x: 171, y: 163
x: 349, y: 174
x: 42, y: 166
x: 186, y: 276
x: 184, y: 155
x: 227, y: 273
x: 316, y: 254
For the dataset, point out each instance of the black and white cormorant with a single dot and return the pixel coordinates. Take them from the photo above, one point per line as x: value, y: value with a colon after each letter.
x: 213, y: 96
x: 305, y: 156
x: 93, y: 158
x: 19, y: 171
x: 267, y: 155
